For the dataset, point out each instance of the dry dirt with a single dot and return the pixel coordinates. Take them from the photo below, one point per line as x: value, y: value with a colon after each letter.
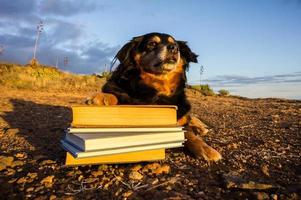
x: 259, y: 139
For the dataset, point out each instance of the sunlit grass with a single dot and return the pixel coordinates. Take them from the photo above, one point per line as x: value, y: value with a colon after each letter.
x: 47, y: 78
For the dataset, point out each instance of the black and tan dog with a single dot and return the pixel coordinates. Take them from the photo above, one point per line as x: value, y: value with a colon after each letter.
x: 152, y: 71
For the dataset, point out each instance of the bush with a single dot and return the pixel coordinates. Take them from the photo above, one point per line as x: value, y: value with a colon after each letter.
x: 105, y: 75
x: 223, y: 92
x: 204, y: 89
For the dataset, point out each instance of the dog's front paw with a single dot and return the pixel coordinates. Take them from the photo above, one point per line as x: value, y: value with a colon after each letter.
x: 102, y: 99
x: 198, y: 126
x: 199, y: 148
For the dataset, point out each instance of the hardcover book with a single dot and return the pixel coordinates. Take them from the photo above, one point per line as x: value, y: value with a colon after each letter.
x: 124, y: 116
x: 131, y: 157
x: 102, y: 141
x: 77, y: 153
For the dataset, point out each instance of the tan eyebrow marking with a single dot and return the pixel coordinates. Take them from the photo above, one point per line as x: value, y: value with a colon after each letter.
x: 156, y: 39
x: 171, y: 40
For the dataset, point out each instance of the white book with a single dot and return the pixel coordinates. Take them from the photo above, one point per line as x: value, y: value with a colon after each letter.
x: 102, y: 141
x: 85, y: 154
x: 125, y: 129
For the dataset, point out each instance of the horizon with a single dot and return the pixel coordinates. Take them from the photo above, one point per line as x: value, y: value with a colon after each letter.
x: 251, y: 49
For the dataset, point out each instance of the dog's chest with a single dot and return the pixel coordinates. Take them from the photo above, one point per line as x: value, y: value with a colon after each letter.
x: 165, y: 84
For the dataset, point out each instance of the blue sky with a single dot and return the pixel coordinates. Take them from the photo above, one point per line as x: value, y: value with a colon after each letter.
x: 239, y: 43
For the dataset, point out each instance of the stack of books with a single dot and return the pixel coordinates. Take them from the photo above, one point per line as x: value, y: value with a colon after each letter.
x: 121, y: 134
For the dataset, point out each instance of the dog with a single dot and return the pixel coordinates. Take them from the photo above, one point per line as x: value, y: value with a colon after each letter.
x: 152, y: 70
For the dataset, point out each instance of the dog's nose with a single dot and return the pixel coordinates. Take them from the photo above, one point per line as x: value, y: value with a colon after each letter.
x: 172, y: 47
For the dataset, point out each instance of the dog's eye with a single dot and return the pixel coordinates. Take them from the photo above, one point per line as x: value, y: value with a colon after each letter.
x: 152, y: 44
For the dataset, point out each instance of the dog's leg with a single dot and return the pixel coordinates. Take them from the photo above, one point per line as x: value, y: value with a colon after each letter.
x: 194, y: 123
x: 102, y: 99
x: 196, y: 144
x: 199, y: 148
x: 198, y: 126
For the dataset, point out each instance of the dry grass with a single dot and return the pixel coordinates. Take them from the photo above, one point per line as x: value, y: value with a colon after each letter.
x: 46, y: 78
x: 204, y: 89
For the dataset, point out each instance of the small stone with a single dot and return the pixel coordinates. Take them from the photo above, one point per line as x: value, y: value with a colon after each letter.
x: 102, y: 167
x: 12, y: 180
x: 154, y: 181
x: 17, y: 163
x: 165, y: 169
x: 22, y: 180
x: 118, y: 178
x: 106, y: 186
x: 262, y: 196
x: 32, y: 175
x: 285, y: 125
x: 21, y: 155
x: 2, y: 166
x: 118, y: 192
x: 156, y: 168
x: 201, y: 194
x: 265, y: 170
x: 77, y: 172
x: 71, y: 173
x: 5, y: 162
x: 275, y: 118
x: 135, y: 175
x: 43, y: 192
x: 52, y: 197
x: 47, y: 162
x: 97, y: 173
x: 48, y: 181
x: 232, y: 146
x: 127, y: 194
x: 10, y: 172
x: 30, y: 189
x: 168, y: 188
x: 294, y: 196
x: 176, y: 154
x: 90, y: 180
x: 80, y: 178
x: 30, y: 180
x: 39, y: 157
x: 136, y: 167
x: 39, y: 188
x: 162, y: 179
x: 274, y: 196
x: 151, y: 167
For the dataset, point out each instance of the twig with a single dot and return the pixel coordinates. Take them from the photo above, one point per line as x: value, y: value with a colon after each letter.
x: 82, y: 188
x: 131, y: 185
x: 246, y: 126
x: 171, y: 180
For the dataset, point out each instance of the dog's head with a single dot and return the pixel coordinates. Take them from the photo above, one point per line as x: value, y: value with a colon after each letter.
x: 156, y: 53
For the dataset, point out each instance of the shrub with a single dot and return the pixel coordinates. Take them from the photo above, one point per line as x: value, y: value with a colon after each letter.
x: 223, y: 92
x: 105, y: 75
x: 204, y: 89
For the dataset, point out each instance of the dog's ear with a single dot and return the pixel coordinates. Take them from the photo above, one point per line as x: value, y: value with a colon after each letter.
x: 186, y: 52
x: 124, y: 53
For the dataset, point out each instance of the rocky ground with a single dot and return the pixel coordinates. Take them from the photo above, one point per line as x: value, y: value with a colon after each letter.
x: 260, y: 141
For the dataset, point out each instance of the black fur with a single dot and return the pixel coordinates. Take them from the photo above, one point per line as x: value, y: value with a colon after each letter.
x: 126, y: 84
